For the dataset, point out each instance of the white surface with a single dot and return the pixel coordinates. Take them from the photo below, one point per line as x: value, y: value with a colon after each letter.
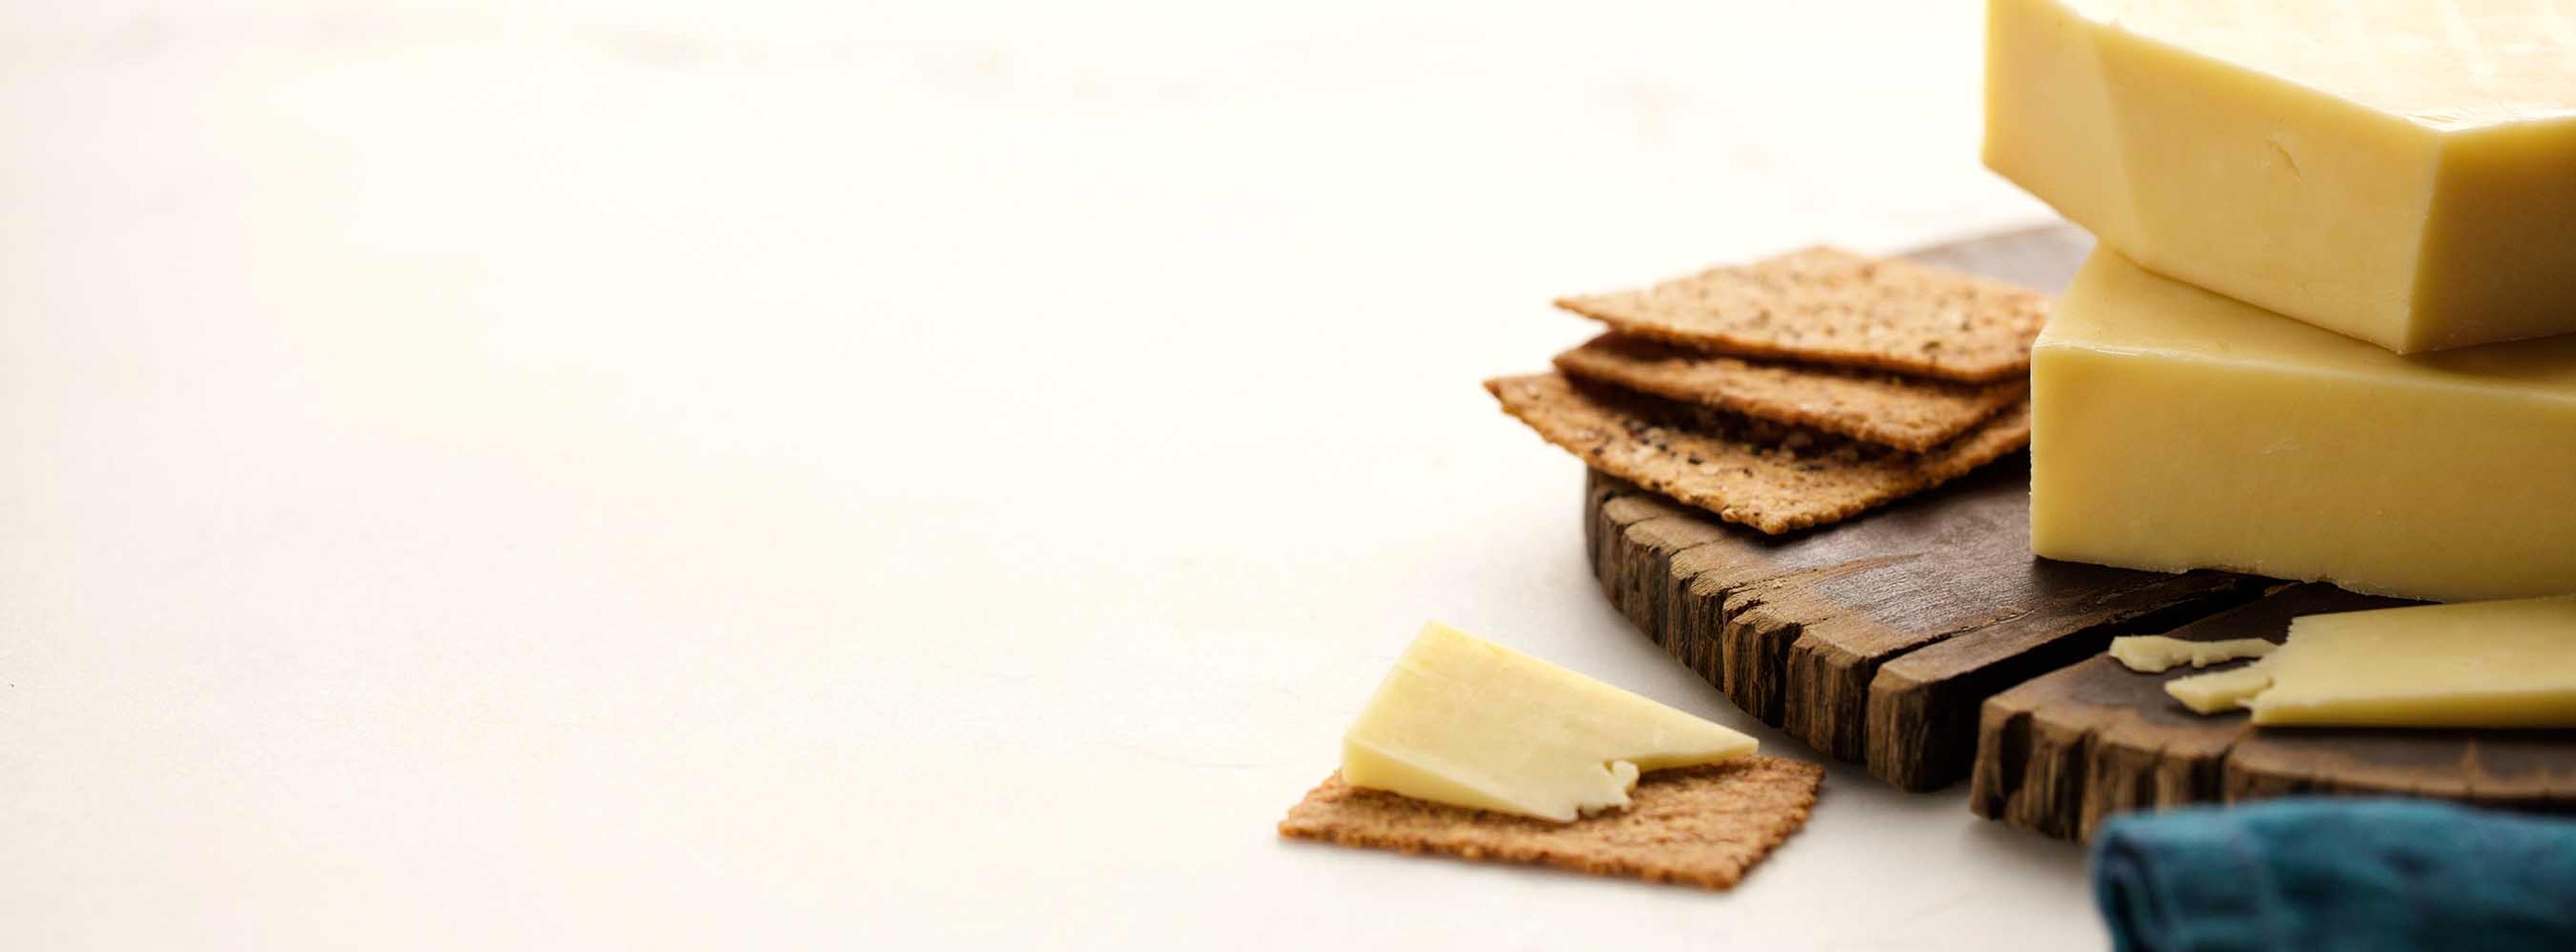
x: 648, y: 475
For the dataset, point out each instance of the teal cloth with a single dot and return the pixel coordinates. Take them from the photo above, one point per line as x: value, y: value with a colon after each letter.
x: 2342, y: 874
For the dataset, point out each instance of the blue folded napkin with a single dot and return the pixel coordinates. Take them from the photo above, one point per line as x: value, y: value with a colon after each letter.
x: 2341, y: 874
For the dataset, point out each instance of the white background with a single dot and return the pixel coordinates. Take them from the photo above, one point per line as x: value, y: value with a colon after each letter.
x: 668, y: 474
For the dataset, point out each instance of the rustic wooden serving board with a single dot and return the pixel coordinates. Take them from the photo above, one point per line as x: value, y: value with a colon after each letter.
x: 1879, y: 640
x: 2063, y: 752
x: 1875, y: 640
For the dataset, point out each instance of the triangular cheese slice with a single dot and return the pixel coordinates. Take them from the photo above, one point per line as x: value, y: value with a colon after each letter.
x: 1469, y: 723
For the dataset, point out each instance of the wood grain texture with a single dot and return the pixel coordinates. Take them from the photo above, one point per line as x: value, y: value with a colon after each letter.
x: 2063, y: 752
x: 1875, y: 640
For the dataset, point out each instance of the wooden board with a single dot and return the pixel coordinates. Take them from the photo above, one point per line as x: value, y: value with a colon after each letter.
x: 1880, y: 640
x: 2063, y: 752
x: 1876, y: 640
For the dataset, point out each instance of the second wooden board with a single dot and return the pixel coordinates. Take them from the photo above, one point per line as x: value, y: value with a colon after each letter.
x: 2064, y: 752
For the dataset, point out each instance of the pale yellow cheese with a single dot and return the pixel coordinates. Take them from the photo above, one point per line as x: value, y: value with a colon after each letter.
x: 2394, y: 170
x: 2176, y: 429
x: 1470, y: 723
x: 2219, y: 690
x: 2153, y: 653
x: 2486, y: 664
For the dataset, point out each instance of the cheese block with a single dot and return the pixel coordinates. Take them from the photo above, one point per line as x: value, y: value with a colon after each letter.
x: 2401, y: 171
x: 2486, y: 664
x: 2177, y: 429
x: 1469, y: 723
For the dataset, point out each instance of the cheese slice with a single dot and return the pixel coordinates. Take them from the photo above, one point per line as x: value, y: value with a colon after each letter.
x: 2175, y: 429
x: 2219, y: 690
x: 2485, y: 664
x: 2394, y: 170
x: 1469, y: 723
x: 2153, y: 653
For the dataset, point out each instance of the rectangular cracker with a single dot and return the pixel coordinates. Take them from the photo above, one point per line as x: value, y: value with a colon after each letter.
x: 1908, y: 413
x: 1825, y: 305
x: 1751, y: 472
x: 1702, y: 826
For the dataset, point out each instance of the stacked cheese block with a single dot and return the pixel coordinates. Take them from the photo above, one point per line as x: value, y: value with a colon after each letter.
x: 2331, y: 330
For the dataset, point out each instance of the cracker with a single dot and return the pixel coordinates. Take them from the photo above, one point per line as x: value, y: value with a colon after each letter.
x: 1756, y: 473
x: 1830, y: 306
x: 1908, y: 413
x: 1703, y: 826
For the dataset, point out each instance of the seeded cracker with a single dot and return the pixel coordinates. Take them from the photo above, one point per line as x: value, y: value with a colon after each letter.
x: 1907, y: 413
x: 1702, y: 826
x: 1751, y: 472
x: 1829, y: 306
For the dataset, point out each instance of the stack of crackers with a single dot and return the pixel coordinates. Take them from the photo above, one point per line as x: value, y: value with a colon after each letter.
x: 1782, y: 395
x: 1794, y: 392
